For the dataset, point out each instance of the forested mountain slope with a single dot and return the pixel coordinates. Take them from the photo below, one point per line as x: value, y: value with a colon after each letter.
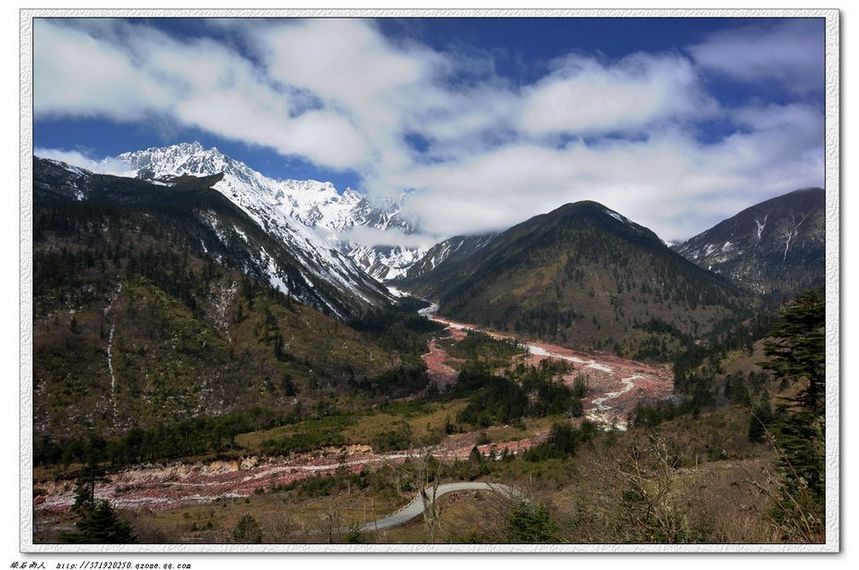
x: 586, y: 276
x: 155, y: 304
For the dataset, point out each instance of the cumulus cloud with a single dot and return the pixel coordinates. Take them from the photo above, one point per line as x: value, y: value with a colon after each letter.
x: 490, y: 152
x: 76, y: 74
x: 126, y: 72
x: 669, y: 182
x: 791, y: 54
x: 585, y: 97
x: 386, y: 90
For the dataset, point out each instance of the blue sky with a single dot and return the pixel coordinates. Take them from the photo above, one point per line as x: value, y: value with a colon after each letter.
x: 676, y: 123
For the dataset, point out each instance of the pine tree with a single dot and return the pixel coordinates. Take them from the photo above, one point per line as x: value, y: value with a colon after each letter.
x: 797, y: 355
x: 247, y: 530
x: 797, y: 349
x: 85, y: 487
x: 101, y: 525
x: 98, y: 522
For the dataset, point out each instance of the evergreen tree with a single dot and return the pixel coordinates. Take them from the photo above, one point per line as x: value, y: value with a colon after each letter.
x: 531, y: 523
x: 797, y: 349
x: 100, y: 524
x: 475, y: 456
x: 797, y: 355
x: 85, y: 487
x: 247, y: 530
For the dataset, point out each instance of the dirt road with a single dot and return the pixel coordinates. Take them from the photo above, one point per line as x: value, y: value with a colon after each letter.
x: 416, y: 507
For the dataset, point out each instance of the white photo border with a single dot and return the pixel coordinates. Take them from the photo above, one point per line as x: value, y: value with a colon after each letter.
x: 833, y: 278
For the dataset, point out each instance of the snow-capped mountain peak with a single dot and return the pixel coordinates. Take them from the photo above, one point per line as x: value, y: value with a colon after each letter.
x: 287, y: 209
x: 317, y: 205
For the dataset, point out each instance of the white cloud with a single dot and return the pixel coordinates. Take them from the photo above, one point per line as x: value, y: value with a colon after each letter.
x: 799, y: 116
x: 669, y: 182
x: 392, y: 237
x: 342, y: 95
x: 126, y: 72
x: 586, y: 97
x: 76, y: 158
x: 790, y: 53
x: 342, y: 60
x: 76, y: 74
x: 384, y: 89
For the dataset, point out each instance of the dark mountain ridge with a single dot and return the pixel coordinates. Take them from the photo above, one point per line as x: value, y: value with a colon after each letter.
x: 217, y: 227
x: 450, y: 252
x: 586, y: 276
x: 776, y: 247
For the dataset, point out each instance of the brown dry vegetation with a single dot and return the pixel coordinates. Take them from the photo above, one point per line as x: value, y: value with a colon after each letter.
x: 689, y: 480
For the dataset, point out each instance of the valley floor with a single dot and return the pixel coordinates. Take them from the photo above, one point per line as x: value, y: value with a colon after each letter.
x: 615, y: 385
x: 199, y: 501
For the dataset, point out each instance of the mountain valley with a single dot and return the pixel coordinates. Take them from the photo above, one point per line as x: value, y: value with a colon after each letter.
x: 199, y: 327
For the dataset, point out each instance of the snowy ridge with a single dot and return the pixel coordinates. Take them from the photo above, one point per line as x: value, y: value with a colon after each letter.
x: 347, y: 290
x: 76, y: 170
x: 384, y: 263
x: 443, y: 251
x: 632, y: 225
x: 317, y: 205
x: 618, y: 217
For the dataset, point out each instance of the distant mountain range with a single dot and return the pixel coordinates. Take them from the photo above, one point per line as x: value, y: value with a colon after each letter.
x: 201, y: 287
x: 315, y: 204
x: 773, y: 248
x: 776, y: 247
